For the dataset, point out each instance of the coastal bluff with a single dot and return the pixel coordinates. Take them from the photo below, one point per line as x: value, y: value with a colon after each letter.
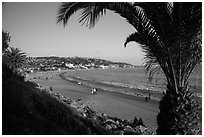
x: 28, y: 110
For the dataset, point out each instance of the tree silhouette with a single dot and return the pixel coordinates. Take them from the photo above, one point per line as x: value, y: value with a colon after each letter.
x: 14, y: 58
x: 5, y: 40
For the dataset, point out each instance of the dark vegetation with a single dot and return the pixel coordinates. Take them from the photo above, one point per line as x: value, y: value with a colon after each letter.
x: 27, y: 110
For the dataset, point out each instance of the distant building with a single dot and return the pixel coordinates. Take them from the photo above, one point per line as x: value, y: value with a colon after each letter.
x: 82, y: 67
x: 103, y: 67
x: 69, y: 65
x: 113, y: 66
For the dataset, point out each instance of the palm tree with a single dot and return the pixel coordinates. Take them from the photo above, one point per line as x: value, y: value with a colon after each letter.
x: 5, y: 40
x: 170, y: 35
x: 14, y: 58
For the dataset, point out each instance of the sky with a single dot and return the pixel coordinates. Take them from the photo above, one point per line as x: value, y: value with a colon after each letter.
x: 33, y: 28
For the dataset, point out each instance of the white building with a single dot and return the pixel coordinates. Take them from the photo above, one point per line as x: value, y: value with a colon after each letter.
x: 69, y: 65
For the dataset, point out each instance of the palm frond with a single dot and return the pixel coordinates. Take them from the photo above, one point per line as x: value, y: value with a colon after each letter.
x: 91, y: 15
x: 14, y: 58
x: 67, y: 9
x: 92, y: 11
x: 136, y: 37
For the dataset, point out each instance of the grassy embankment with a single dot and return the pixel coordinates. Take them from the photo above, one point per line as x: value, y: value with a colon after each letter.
x: 26, y: 110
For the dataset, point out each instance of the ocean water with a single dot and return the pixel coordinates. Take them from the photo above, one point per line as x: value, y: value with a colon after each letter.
x: 131, y: 81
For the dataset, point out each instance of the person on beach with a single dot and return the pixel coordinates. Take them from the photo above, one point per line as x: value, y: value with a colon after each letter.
x: 146, y: 98
x: 50, y: 88
x: 93, y: 91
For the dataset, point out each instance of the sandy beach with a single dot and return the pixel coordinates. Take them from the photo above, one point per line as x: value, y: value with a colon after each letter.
x: 111, y: 103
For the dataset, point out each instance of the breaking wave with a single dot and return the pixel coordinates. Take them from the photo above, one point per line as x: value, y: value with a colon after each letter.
x: 121, y: 87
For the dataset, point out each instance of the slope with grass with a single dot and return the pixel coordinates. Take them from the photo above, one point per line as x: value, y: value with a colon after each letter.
x: 26, y: 110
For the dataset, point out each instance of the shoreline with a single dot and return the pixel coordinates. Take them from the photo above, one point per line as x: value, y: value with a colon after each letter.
x: 123, y: 106
x: 148, y: 88
x: 139, y: 93
x: 115, y: 104
x: 125, y: 95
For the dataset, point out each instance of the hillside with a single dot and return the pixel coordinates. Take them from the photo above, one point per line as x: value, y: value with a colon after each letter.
x: 27, y: 110
x: 54, y: 63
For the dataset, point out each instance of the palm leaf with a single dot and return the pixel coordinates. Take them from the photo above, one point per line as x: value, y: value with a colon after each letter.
x: 91, y: 15
x: 92, y: 11
x: 67, y: 9
x: 135, y: 37
x: 14, y: 58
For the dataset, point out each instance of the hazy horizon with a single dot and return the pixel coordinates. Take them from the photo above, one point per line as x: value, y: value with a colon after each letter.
x: 34, y: 30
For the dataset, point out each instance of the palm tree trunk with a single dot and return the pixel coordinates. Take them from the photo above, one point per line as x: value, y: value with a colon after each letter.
x: 178, y: 113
